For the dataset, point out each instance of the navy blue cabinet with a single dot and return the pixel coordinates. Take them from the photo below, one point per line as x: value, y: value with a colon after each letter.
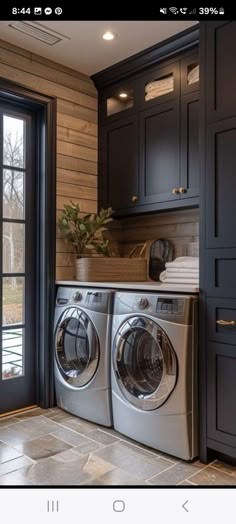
x: 218, y: 238
x: 149, y: 139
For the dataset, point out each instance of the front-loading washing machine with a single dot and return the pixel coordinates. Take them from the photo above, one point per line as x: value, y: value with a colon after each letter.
x: 154, y: 370
x: 82, y: 332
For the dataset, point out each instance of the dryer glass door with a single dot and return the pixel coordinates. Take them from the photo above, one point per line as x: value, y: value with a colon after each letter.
x: 77, y: 347
x: 145, y: 363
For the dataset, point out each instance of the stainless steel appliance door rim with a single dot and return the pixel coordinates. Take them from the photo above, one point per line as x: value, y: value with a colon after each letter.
x: 85, y: 348
x: 143, y: 357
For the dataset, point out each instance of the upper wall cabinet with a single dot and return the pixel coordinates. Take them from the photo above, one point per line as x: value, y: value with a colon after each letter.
x: 159, y: 154
x: 119, y: 183
x: 148, y: 129
x: 220, y: 72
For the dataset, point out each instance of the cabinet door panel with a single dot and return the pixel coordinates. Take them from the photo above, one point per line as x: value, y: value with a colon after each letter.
x: 159, y: 153
x: 120, y: 163
x: 190, y: 162
x: 221, y: 393
x: 221, y: 273
x: 220, y: 184
x: 220, y: 70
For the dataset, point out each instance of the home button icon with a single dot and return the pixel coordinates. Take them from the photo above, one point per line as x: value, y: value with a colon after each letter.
x: 118, y: 506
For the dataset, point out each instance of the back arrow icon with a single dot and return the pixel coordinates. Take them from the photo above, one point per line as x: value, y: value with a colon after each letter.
x: 183, y: 506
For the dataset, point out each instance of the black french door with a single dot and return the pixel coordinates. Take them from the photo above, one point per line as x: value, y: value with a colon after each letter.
x: 18, y: 258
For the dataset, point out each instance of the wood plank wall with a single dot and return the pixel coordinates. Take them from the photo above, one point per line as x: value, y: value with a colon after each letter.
x: 76, y: 131
x: 181, y: 227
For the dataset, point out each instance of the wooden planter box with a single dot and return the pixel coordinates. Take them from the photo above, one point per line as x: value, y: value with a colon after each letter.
x: 111, y: 269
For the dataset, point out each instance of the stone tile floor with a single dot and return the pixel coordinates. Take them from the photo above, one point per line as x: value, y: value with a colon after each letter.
x: 52, y: 447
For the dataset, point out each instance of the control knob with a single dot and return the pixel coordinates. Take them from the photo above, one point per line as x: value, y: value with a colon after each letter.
x: 77, y: 296
x: 143, y: 303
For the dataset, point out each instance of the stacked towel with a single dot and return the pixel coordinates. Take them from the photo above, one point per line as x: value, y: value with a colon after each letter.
x: 183, y: 270
x: 159, y: 87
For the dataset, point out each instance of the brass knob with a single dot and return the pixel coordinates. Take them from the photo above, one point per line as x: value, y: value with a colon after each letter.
x: 175, y: 191
x: 182, y: 190
x: 134, y: 198
x: 226, y: 322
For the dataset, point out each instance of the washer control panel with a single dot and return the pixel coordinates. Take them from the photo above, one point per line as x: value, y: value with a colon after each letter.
x: 171, y: 306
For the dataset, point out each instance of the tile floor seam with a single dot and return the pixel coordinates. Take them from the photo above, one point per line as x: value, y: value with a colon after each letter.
x: 137, y: 446
x: 65, y: 441
x: 89, y: 438
x: 148, y: 451
x: 198, y: 471
x: 181, y: 482
x: 163, y: 471
x: 211, y: 465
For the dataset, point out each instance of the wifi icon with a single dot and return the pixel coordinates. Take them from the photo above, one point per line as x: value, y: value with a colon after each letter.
x: 173, y: 10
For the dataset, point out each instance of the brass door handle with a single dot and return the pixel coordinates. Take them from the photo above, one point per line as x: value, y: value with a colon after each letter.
x: 134, y: 198
x: 182, y: 190
x: 226, y: 322
x: 175, y: 191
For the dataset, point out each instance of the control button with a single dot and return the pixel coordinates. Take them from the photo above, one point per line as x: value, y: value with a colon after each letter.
x: 77, y: 296
x: 118, y: 506
x: 143, y: 303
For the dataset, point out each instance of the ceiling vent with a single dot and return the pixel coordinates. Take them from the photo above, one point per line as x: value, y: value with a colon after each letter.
x: 36, y: 32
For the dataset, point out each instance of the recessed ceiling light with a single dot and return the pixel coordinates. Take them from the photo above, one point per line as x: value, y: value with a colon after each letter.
x: 108, y: 35
x: 123, y: 95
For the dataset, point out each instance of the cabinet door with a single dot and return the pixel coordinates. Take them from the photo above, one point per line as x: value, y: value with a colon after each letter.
x: 220, y: 70
x: 119, y: 170
x: 160, y: 85
x: 221, y: 393
x: 220, y: 184
x: 190, y: 162
x: 159, y: 153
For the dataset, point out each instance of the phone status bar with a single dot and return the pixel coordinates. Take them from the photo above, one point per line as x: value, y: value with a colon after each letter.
x: 63, y: 11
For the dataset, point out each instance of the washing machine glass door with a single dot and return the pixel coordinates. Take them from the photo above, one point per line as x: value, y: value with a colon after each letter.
x: 77, y: 347
x: 145, y: 363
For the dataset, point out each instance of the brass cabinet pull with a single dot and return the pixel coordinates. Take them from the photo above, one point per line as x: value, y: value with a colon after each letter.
x: 182, y: 190
x: 226, y: 322
x: 175, y: 191
x: 134, y: 198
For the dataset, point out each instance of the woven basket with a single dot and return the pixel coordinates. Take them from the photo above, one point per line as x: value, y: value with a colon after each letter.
x: 112, y: 269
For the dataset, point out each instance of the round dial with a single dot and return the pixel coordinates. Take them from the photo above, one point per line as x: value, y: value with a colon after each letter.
x: 143, y: 303
x: 77, y: 296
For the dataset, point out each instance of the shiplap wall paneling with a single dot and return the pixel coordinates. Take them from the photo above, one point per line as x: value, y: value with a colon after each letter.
x: 76, y: 132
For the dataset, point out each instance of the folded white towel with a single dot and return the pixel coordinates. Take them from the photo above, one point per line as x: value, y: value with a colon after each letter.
x: 180, y: 270
x: 179, y: 287
x: 184, y: 280
x: 186, y: 262
x: 177, y: 274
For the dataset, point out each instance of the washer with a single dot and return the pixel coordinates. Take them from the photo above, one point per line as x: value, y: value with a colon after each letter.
x: 154, y: 370
x: 82, y: 331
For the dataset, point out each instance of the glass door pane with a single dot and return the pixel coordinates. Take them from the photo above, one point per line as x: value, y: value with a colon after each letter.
x: 17, y: 261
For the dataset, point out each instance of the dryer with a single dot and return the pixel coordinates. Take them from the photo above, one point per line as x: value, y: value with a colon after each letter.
x: 82, y: 332
x: 154, y: 370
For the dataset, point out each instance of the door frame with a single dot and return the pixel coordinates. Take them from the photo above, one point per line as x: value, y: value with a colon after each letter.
x: 45, y: 109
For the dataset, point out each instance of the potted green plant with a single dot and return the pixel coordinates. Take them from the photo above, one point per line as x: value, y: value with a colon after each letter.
x: 85, y: 233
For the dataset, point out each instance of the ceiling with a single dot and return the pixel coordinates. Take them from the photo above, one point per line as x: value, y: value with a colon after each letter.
x: 83, y: 48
